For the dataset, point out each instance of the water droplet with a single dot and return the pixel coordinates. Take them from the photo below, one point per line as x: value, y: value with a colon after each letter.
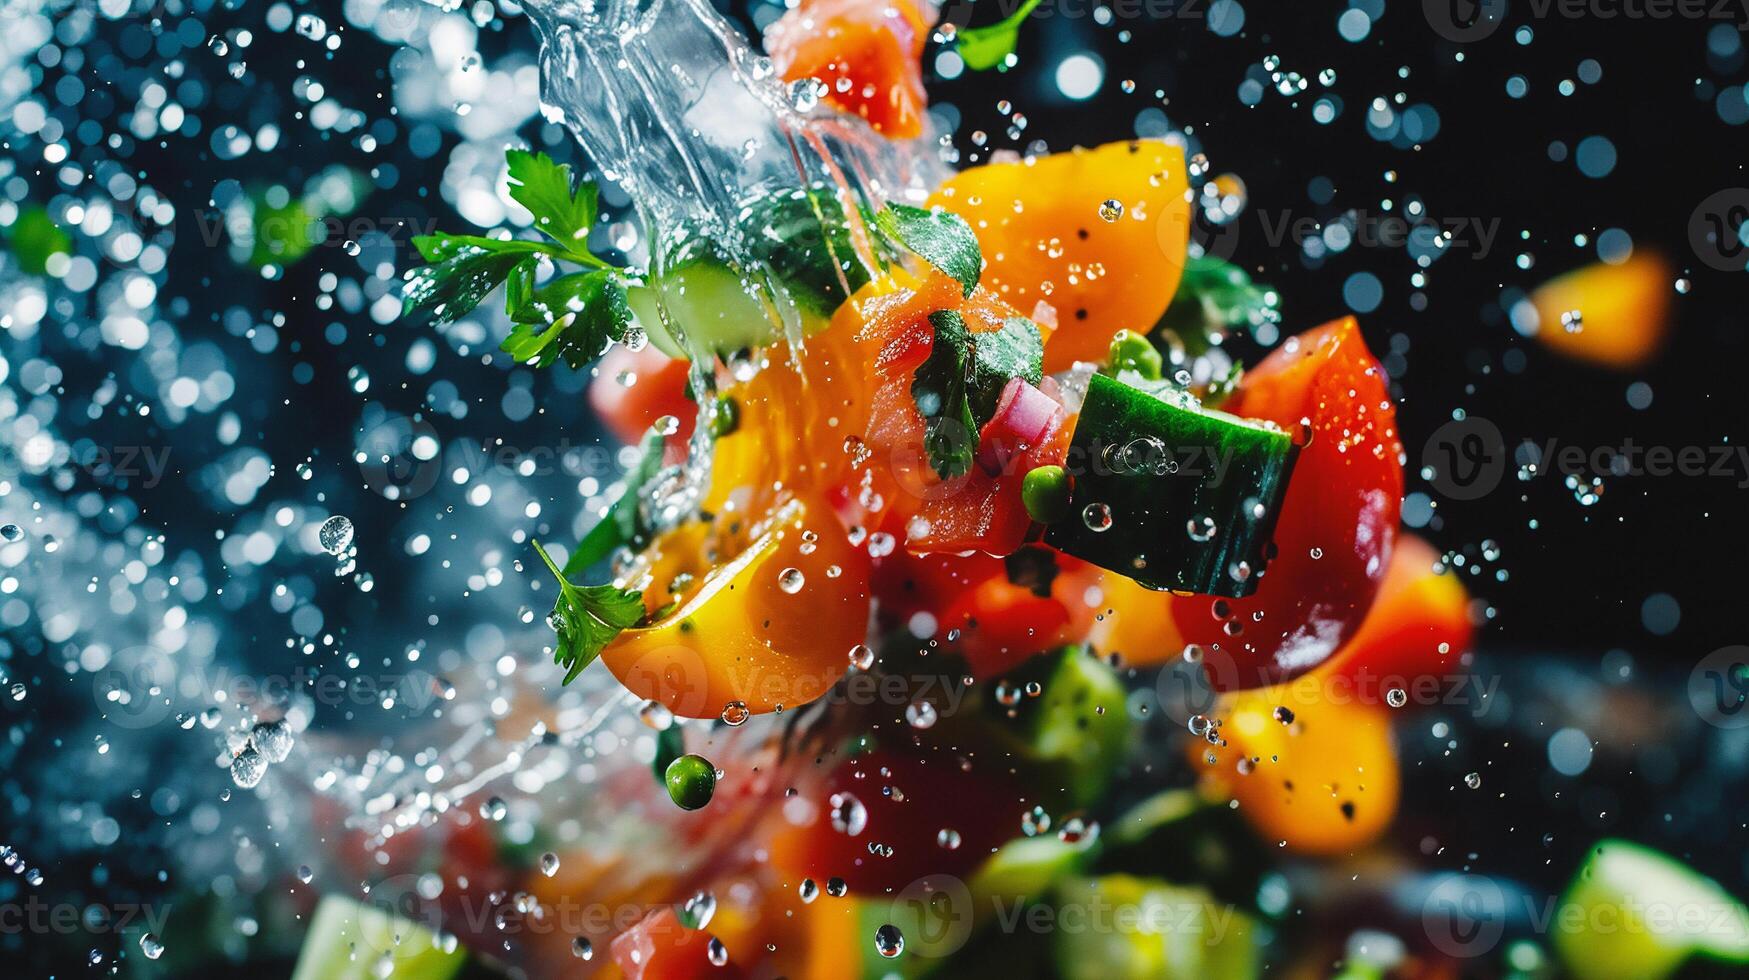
x: 1200, y: 529
x: 1473, y: 780
x: 150, y: 946
x: 248, y: 768
x: 1396, y: 697
x: 1035, y: 822
x: 920, y: 714
x: 272, y: 739
x: 791, y: 580
x: 862, y: 657
x: 808, y: 891
x: 836, y: 887
x: 656, y: 715
x: 889, y: 941
x: 698, y: 910
x: 849, y: 816
x: 11, y: 532
x: 1097, y: 517
x: 717, y: 952
x: 735, y: 714
x: 1078, y: 831
x: 1110, y: 210
x: 948, y: 839
x: 1284, y: 714
x: 335, y: 535
x: 305, y: 875
x: 549, y: 864
x: 582, y: 948
x: 494, y: 809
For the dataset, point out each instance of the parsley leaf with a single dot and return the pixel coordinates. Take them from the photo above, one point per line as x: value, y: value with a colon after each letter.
x: 941, y: 238
x: 461, y: 270
x: 939, y: 389
x: 574, y: 317
x: 1213, y: 296
x: 984, y: 48
x: 1015, y: 351
x: 587, y: 618
x: 544, y: 188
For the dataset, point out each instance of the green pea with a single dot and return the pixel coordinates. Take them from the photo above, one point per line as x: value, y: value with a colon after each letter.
x: 1130, y: 351
x: 1045, y: 492
x: 726, y: 418
x: 691, y: 782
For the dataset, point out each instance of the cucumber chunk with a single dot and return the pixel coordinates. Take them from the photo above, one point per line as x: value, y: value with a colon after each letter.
x: 1632, y: 912
x: 1145, y: 929
x: 1078, y: 727
x: 350, y: 941
x: 1169, y: 494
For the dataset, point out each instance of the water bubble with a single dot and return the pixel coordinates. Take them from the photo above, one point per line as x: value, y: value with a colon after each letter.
x: 1035, y: 822
x: 948, y: 839
x: 1396, y: 697
x: 698, y: 910
x: 849, y: 816
x: 862, y: 657
x: 1573, y: 321
x: 889, y: 941
x: 1110, y: 210
x: 1200, y: 529
x: 921, y: 714
x: 248, y: 768
x: 150, y: 946
x: 791, y: 580
x: 1473, y: 780
x: 582, y: 948
x: 549, y: 864
x: 1097, y: 517
x: 1078, y: 831
x: 656, y: 715
x: 836, y: 887
x: 1284, y: 714
x: 11, y: 532
x: 735, y: 714
x: 352, y: 248
x: 716, y: 952
x: 335, y: 535
x: 806, y: 93
x: 494, y: 809
x: 305, y: 875
x: 808, y: 891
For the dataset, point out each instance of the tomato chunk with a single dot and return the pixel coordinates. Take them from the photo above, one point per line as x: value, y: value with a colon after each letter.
x: 868, y: 53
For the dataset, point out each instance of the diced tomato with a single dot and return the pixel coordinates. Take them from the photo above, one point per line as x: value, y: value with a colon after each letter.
x: 1417, y: 628
x: 1338, y: 519
x: 660, y: 948
x: 867, y: 52
x: 996, y: 622
x: 657, y: 387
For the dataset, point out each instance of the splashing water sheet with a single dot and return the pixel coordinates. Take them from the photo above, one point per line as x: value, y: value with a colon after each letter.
x: 658, y: 488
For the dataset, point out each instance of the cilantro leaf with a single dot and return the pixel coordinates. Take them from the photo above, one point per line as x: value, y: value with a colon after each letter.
x: 560, y: 213
x: 623, y: 523
x: 939, y: 389
x: 461, y: 271
x: 587, y: 618
x: 574, y: 317
x: 941, y: 238
x: 1015, y: 351
x: 1213, y: 296
x: 984, y: 48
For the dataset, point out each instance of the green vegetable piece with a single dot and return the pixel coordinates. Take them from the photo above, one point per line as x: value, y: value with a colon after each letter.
x: 461, y: 271
x: 940, y: 390
x: 1213, y: 296
x: 1635, y: 912
x: 1177, y: 835
x: 1025, y: 868
x: 1130, y: 351
x: 560, y: 213
x: 350, y: 941
x: 984, y: 48
x: 670, y: 745
x: 1015, y: 351
x: 1078, y: 726
x: 1045, y: 492
x: 575, y: 317
x: 1173, y: 496
x: 725, y: 417
x: 939, y: 237
x: 587, y: 618
x: 1174, y: 933
x: 691, y: 782
x: 35, y: 238
x: 623, y: 524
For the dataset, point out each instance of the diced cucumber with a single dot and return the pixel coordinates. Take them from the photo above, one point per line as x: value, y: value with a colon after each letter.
x: 350, y: 941
x: 1634, y: 912
x: 717, y: 295
x: 1025, y: 868
x: 1169, y: 494
x: 1144, y: 929
x: 1078, y: 726
x: 1181, y: 837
